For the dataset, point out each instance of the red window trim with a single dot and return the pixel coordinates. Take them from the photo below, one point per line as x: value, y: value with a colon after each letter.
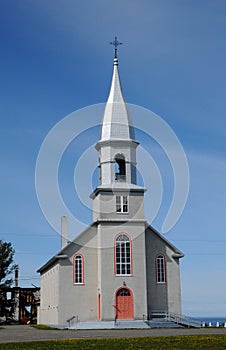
x: 123, y: 287
x: 156, y: 268
x: 131, y: 253
x: 74, y: 257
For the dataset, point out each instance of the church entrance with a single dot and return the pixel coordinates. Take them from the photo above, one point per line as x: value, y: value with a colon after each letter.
x: 124, y: 303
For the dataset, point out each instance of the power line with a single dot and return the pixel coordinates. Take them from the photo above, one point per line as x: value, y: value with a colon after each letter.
x: 200, y: 240
x: 30, y: 234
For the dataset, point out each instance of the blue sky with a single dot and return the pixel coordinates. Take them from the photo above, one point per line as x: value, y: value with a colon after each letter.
x: 56, y: 58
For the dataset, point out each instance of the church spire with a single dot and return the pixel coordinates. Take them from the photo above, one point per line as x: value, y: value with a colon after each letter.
x: 116, y: 122
x: 117, y: 145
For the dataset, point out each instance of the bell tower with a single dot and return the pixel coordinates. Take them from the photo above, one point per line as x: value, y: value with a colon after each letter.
x: 117, y: 191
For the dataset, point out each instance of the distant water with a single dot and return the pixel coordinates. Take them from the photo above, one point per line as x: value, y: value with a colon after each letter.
x: 213, y: 320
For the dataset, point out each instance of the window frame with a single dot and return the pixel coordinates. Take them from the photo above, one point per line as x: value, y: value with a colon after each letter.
x: 122, y: 262
x: 82, y: 269
x: 122, y: 201
x: 160, y: 268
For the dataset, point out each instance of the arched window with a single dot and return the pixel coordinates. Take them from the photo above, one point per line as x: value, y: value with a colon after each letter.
x: 160, y: 268
x: 123, y: 292
x: 78, y: 275
x: 120, y: 168
x: 123, y: 255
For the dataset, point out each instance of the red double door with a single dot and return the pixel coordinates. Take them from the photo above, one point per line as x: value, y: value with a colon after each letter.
x: 124, y: 304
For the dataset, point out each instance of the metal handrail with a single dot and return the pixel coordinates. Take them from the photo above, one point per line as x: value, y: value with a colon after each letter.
x: 145, y: 317
x: 177, y: 318
x: 71, y: 319
x: 184, y: 320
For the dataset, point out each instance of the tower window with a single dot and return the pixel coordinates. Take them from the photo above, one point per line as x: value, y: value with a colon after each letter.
x: 121, y: 204
x: 120, y: 168
x: 122, y: 255
x: 78, y: 275
x: 160, y: 269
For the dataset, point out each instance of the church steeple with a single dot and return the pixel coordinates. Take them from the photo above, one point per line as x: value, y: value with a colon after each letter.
x: 116, y: 122
x: 116, y: 147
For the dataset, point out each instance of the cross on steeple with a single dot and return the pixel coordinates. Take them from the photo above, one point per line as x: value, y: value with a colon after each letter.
x: 115, y: 43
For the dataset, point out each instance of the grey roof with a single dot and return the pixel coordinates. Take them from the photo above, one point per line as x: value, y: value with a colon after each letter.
x: 116, y: 123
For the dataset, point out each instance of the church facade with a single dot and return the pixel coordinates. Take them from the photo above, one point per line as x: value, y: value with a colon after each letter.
x: 120, y: 267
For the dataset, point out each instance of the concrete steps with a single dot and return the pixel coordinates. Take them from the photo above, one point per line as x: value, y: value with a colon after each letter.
x: 93, y: 325
x: 162, y: 323
x: 131, y: 324
x: 124, y: 324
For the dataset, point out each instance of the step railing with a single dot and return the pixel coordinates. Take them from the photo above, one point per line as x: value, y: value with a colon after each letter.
x: 184, y: 320
x: 73, y: 319
x: 176, y: 318
x: 145, y: 317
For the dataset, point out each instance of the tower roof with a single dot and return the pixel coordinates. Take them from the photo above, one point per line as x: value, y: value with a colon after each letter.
x: 116, y: 123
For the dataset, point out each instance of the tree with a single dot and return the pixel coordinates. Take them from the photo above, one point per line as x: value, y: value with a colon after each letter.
x: 7, y: 265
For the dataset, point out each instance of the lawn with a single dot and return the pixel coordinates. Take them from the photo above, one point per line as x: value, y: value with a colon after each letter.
x: 207, y: 342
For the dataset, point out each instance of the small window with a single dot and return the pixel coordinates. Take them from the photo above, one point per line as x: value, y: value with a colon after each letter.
x: 78, y: 269
x: 122, y: 255
x: 121, y: 204
x: 160, y: 269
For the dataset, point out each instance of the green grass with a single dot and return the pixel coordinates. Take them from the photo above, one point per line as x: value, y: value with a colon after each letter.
x: 43, y: 327
x: 206, y: 342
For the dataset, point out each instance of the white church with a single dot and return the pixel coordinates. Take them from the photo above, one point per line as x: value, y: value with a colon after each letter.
x: 119, y: 268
